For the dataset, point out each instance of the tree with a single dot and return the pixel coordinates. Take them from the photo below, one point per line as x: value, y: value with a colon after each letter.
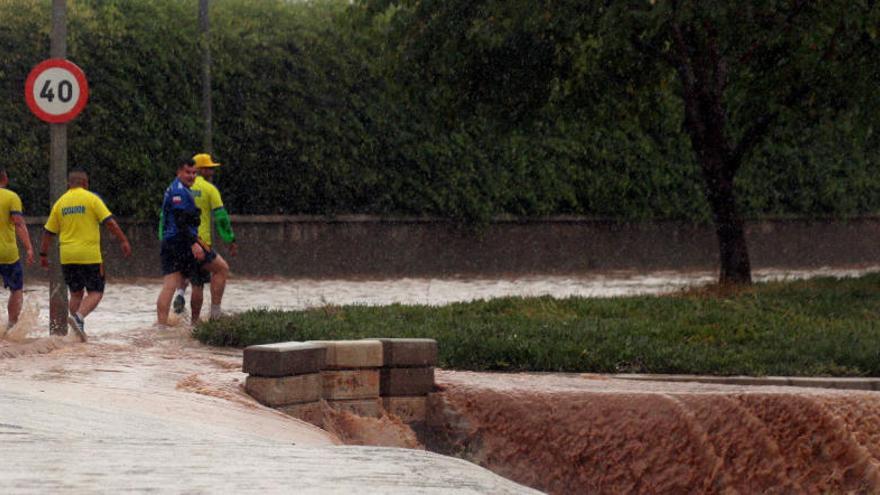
x: 738, y: 69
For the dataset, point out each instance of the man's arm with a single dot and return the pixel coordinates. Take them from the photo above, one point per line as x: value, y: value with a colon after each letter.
x: 117, y: 232
x: 186, y: 217
x: 162, y: 224
x: 44, y: 248
x: 224, y: 228
x: 23, y: 234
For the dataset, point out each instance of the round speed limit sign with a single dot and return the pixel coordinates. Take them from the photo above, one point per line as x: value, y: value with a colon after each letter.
x: 56, y: 90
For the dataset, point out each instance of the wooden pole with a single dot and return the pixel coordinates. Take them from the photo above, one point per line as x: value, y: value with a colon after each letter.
x: 57, y: 179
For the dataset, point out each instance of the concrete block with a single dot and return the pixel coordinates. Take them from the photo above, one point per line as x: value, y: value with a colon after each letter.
x: 407, y: 381
x: 350, y: 384
x: 310, y: 412
x: 285, y: 390
x: 408, y: 409
x: 402, y: 353
x: 349, y: 354
x: 368, y: 408
x: 284, y: 359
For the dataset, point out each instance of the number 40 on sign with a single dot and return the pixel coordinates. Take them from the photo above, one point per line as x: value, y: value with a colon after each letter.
x: 56, y: 90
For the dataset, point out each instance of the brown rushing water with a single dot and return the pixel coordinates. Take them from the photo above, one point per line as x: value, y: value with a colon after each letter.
x: 558, y: 433
x: 591, y: 434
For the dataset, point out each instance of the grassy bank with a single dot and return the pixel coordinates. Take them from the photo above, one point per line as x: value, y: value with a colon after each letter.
x: 816, y: 327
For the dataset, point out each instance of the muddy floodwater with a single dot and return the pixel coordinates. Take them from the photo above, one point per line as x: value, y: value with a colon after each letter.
x: 131, y: 304
x: 141, y: 409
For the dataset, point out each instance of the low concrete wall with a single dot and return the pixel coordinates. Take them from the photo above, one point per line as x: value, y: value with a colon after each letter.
x: 370, y: 247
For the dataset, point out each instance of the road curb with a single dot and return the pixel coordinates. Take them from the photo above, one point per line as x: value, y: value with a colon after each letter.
x: 867, y: 384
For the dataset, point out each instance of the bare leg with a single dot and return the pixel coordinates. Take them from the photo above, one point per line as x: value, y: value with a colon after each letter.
x: 89, y: 303
x: 195, y: 301
x: 170, y: 283
x: 16, y: 299
x: 75, y: 301
x: 219, y: 273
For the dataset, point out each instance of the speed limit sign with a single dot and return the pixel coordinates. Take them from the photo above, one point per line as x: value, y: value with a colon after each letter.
x: 56, y: 90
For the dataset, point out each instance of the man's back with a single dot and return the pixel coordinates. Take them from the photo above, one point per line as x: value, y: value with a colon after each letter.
x: 76, y: 217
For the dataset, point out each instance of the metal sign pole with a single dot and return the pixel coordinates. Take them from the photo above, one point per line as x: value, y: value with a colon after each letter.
x: 57, y: 179
x: 204, y: 42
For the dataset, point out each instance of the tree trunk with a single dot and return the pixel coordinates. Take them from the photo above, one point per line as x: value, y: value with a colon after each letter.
x: 703, y: 71
x: 732, y: 248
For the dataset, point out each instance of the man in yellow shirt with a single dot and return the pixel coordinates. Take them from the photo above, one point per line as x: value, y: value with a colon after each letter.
x: 12, y: 223
x: 210, y: 204
x: 76, y: 219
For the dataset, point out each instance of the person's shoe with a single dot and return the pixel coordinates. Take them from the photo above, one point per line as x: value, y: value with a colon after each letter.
x: 179, y: 304
x: 78, y: 326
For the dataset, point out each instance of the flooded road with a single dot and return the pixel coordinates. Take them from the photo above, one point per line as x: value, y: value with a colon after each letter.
x: 131, y: 304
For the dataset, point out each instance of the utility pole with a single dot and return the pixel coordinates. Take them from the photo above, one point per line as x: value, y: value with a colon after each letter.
x: 205, y: 45
x: 57, y: 179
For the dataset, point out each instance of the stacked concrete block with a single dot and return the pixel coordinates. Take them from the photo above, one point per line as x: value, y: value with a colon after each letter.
x: 407, y: 376
x: 364, y: 377
x: 350, y: 378
x: 287, y: 376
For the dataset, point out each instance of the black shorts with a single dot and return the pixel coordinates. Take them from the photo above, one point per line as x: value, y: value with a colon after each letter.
x: 178, y: 257
x: 79, y: 277
x: 201, y: 276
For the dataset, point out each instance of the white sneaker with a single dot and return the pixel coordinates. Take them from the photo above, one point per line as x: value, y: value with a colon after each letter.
x: 78, y: 327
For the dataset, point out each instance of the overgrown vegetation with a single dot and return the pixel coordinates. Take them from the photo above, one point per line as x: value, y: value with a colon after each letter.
x: 311, y: 118
x: 822, y: 326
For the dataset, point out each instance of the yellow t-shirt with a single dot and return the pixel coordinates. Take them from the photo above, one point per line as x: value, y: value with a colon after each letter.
x: 76, y: 218
x: 10, y: 204
x: 208, y: 199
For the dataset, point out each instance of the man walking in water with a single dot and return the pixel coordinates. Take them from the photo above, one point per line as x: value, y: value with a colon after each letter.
x: 183, y: 254
x: 76, y: 218
x: 12, y: 223
x: 210, y: 203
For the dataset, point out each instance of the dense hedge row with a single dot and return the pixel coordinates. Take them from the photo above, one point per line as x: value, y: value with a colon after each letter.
x: 308, y: 122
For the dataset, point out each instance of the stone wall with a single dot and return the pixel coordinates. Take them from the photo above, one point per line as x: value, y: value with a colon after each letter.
x: 371, y: 247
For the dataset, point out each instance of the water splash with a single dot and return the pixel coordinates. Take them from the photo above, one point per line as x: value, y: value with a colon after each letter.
x: 28, y: 321
x: 385, y: 431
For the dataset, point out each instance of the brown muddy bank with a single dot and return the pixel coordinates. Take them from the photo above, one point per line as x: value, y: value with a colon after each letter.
x: 590, y: 434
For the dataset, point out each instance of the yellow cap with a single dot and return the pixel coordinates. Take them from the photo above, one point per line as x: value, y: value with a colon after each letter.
x: 204, y: 160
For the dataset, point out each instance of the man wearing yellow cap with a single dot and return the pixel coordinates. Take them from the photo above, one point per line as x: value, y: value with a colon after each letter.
x: 210, y: 204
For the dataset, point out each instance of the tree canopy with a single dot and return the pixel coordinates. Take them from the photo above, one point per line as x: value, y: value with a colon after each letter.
x: 730, y: 74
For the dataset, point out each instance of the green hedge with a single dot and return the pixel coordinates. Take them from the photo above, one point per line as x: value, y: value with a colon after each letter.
x: 309, y: 120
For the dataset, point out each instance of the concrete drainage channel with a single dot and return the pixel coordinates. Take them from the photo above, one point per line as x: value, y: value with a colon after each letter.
x: 581, y: 433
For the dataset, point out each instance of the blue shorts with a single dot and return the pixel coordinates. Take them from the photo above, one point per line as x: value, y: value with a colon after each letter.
x: 13, y: 276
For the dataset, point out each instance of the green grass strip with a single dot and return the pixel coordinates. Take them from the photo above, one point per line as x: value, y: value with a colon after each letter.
x: 817, y: 327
